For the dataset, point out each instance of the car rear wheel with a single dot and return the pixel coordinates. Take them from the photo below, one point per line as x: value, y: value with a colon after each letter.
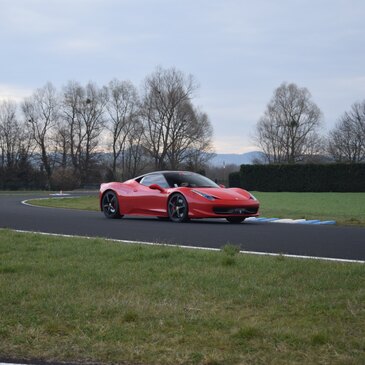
x: 110, y: 205
x: 178, y: 208
x: 235, y: 220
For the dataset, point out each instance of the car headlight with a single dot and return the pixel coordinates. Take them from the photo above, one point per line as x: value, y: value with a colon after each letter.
x: 206, y: 196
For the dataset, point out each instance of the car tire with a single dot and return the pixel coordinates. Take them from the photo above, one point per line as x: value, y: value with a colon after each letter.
x: 110, y: 205
x: 177, y: 208
x: 235, y: 220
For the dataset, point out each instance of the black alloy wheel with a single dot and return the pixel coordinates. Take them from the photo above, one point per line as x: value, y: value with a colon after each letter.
x: 235, y: 220
x: 178, y: 208
x: 110, y: 205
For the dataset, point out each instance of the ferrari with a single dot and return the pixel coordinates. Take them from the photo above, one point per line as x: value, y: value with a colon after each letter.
x: 177, y: 196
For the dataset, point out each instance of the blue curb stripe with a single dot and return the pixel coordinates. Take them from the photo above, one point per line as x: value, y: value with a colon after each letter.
x: 263, y: 219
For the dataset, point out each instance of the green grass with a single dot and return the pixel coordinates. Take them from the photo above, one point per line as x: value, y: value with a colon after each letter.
x: 72, y: 299
x: 83, y: 202
x: 344, y: 208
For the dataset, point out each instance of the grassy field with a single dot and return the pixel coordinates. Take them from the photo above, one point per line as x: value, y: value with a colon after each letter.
x: 88, y: 202
x: 344, y: 208
x: 72, y: 299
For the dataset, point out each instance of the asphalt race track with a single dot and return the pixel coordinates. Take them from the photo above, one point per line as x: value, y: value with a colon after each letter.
x: 307, y: 240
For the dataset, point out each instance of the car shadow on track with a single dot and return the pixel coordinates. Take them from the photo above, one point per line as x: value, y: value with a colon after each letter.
x: 213, y: 221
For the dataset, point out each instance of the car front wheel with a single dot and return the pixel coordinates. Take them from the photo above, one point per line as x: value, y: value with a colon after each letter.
x: 178, y: 208
x: 110, y: 205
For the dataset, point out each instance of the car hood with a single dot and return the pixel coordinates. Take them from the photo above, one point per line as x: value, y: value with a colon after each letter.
x: 225, y: 193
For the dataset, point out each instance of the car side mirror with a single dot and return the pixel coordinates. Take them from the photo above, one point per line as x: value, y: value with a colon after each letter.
x: 222, y: 186
x: 156, y: 187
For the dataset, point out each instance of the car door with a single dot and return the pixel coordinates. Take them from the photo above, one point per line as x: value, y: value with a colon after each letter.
x: 150, y: 201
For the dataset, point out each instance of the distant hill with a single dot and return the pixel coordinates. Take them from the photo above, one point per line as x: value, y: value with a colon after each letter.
x: 237, y: 159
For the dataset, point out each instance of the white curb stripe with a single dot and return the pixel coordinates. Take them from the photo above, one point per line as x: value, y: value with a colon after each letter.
x: 196, y: 247
x: 286, y: 220
x: 26, y: 202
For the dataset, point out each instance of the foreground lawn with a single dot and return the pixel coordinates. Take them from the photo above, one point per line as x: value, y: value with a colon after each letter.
x: 66, y: 299
x: 344, y: 208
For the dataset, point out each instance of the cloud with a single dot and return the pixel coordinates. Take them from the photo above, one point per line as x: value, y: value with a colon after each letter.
x: 233, y: 145
x: 14, y: 92
x: 26, y: 19
x: 79, y: 45
x: 355, y: 84
x: 99, y: 43
x: 239, y: 51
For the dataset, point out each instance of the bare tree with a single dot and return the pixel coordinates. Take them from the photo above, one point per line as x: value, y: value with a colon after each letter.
x: 83, y: 112
x: 73, y: 93
x: 161, y: 129
x: 122, y: 110
x: 137, y: 158
x: 41, y: 111
x: 171, y: 125
x: 91, y: 116
x: 62, y: 144
x: 15, y: 139
x: 288, y: 131
x: 8, y: 133
x: 346, y: 142
x: 191, y: 141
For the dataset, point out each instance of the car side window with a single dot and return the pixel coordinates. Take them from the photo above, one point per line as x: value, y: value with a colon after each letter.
x: 155, y: 179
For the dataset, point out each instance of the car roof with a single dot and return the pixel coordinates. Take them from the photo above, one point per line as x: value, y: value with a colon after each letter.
x: 164, y: 172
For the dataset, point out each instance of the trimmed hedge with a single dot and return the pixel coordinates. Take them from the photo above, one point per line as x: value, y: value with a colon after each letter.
x: 306, y: 177
x: 19, y: 178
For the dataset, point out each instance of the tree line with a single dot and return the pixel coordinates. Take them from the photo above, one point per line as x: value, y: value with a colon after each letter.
x: 85, y: 134
x: 289, y: 130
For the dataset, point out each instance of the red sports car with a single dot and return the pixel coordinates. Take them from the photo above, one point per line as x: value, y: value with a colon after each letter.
x: 178, y: 196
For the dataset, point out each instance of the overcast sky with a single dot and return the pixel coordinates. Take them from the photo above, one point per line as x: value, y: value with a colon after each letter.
x: 239, y: 51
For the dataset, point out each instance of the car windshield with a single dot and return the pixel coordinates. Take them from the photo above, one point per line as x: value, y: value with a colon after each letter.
x: 188, y: 179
